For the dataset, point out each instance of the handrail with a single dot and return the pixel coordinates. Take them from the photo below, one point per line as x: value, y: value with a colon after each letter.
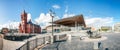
x: 34, y: 42
x: 21, y: 46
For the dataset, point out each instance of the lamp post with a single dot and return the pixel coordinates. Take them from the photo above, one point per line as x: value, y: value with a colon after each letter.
x: 52, y: 15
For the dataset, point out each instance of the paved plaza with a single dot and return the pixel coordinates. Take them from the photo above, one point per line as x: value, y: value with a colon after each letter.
x: 112, y: 42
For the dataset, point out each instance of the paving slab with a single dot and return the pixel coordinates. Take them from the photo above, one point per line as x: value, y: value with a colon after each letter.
x: 111, y: 42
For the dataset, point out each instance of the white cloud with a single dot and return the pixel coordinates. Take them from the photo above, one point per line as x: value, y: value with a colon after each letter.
x: 10, y: 25
x: 56, y: 18
x: 29, y: 17
x: 68, y: 15
x: 45, y: 19
x: 56, y: 6
x: 66, y: 10
x: 98, y: 21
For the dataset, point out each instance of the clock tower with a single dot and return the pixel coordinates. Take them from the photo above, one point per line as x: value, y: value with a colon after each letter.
x: 27, y: 26
x: 24, y: 21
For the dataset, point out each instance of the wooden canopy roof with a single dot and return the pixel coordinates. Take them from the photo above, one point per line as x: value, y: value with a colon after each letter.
x: 71, y: 21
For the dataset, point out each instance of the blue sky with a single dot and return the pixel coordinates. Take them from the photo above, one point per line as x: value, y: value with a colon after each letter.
x: 10, y: 10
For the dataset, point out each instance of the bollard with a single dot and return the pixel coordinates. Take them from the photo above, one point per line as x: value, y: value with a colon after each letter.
x: 106, y: 49
x: 51, y: 41
x: 57, y: 38
x: 28, y: 45
x: 69, y: 37
x: 95, y: 46
x: 36, y: 40
x: 99, y: 44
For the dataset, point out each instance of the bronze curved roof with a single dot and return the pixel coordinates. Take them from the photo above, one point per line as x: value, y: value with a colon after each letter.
x: 70, y: 21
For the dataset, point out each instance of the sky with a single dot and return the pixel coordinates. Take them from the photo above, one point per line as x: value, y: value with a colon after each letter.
x: 95, y: 12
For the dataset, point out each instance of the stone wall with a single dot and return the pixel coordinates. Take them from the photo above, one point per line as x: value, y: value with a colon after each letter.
x: 9, y: 45
x: 1, y: 43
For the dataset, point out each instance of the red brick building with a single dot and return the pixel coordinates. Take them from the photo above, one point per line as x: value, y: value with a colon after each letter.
x: 28, y: 27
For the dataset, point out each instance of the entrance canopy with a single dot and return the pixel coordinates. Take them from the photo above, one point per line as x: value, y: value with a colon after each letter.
x: 72, y: 21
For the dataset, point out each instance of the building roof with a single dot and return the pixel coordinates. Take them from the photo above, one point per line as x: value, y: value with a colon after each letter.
x: 71, y: 21
x: 30, y: 22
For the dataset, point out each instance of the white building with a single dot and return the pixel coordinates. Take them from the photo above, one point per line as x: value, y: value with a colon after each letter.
x: 117, y: 27
x: 57, y: 28
x: 106, y: 28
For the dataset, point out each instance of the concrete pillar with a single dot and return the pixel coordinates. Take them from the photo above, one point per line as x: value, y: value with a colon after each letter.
x: 57, y: 37
x: 69, y: 37
x: 52, y: 40
x: 95, y: 46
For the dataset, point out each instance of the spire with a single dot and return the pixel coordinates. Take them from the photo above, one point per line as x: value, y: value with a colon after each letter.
x: 23, y: 12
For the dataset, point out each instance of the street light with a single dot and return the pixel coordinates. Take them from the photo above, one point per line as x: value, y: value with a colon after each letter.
x: 52, y: 15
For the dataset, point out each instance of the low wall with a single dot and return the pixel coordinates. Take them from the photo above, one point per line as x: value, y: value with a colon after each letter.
x: 35, y: 41
x: 31, y: 43
x: 60, y: 37
x: 1, y: 43
x: 11, y: 45
x: 41, y: 39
